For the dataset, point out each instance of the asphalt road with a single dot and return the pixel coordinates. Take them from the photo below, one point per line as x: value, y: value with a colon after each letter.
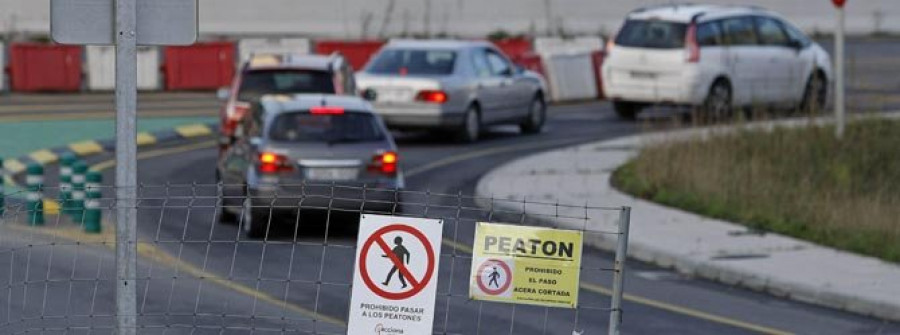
x: 211, y: 270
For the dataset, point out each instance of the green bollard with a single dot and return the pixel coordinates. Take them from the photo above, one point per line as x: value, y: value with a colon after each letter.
x: 65, y: 181
x: 34, y: 179
x: 2, y: 190
x: 92, y: 211
x: 77, y: 204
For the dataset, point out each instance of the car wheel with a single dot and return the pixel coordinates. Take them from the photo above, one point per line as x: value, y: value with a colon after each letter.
x: 537, y: 115
x: 471, y: 128
x: 814, y: 95
x: 253, y: 222
x: 717, y: 105
x: 226, y: 216
x: 627, y: 110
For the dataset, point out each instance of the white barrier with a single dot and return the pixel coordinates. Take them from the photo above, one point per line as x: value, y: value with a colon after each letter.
x: 101, y: 68
x: 248, y: 46
x: 2, y: 66
x: 571, y: 76
x: 555, y: 45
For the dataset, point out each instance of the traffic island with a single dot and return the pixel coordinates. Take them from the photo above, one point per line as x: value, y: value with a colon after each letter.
x: 693, y: 244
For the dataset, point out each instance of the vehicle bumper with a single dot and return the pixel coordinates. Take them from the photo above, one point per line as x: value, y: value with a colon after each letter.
x: 419, y: 115
x: 348, y: 197
x: 685, y: 87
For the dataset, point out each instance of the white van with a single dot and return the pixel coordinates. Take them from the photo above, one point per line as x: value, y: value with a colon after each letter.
x: 713, y: 57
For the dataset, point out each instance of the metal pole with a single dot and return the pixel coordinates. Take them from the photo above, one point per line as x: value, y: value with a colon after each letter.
x: 615, y: 315
x: 126, y: 167
x: 839, y: 103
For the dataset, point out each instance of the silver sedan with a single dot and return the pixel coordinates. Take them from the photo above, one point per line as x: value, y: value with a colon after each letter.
x: 457, y: 85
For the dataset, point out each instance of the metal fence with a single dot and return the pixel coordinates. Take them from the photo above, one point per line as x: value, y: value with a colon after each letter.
x: 198, y: 275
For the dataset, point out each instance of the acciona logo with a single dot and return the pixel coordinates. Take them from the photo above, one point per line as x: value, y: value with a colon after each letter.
x: 382, y: 330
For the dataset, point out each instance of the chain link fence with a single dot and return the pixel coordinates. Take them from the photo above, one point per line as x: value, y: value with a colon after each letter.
x: 198, y: 272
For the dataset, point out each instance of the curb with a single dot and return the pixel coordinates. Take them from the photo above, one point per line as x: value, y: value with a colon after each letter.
x: 84, y: 149
x: 684, y: 262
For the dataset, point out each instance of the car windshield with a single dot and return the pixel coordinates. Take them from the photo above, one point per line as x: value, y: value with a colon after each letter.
x: 349, y: 127
x: 257, y: 83
x: 653, y: 34
x: 413, y: 62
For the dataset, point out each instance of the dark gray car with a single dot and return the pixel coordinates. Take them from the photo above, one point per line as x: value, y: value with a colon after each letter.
x: 309, y: 151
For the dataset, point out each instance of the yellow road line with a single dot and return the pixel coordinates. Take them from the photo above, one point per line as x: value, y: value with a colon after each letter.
x: 156, y: 153
x: 43, y: 156
x: 85, y: 148
x: 486, y: 152
x: 51, y: 207
x: 193, y: 130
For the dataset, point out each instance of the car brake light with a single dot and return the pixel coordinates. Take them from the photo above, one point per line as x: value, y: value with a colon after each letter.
x: 327, y: 110
x: 691, y: 46
x: 385, y: 162
x: 273, y: 163
x: 433, y: 96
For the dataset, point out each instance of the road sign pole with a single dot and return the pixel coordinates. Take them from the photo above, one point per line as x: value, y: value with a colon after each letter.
x: 615, y: 316
x: 839, y: 90
x: 126, y: 166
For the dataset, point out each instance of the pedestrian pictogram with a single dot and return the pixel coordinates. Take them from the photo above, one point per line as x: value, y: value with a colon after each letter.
x: 526, y: 265
x: 398, y: 261
x: 395, y: 283
x: 494, y: 277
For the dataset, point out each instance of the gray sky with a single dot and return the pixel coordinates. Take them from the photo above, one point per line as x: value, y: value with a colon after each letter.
x: 344, y: 18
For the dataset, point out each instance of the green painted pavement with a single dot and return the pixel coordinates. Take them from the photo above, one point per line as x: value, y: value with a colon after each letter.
x: 19, y: 139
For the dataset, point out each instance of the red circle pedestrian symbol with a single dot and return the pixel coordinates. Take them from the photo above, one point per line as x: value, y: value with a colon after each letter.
x: 399, y: 258
x: 490, y: 280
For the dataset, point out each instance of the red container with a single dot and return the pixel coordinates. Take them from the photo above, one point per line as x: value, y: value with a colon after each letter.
x: 515, y: 47
x: 37, y: 67
x: 597, y: 58
x: 357, y: 53
x: 202, y: 66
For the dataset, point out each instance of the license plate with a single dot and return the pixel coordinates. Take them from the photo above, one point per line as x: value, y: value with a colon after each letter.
x: 393, y: 95
x: 642, y: 75
x: 331, y: 173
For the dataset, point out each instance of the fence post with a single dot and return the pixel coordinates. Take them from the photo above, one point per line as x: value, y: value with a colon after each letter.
x: 79, y: 168
x: 34, y: 179
x: 65, y: 182
x: 615, y: 316
x: 2, y: 190
x: 92, y: 211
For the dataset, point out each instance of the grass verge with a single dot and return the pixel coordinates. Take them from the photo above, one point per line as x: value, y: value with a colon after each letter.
x: 800, y: 182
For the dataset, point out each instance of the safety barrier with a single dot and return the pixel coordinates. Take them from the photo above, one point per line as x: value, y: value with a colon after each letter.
x: 568, y: 79
x: 556, y: 45
x: 101, y: 68
x: 515, y: 48
x: 197, y: 273
x: 35, y: 67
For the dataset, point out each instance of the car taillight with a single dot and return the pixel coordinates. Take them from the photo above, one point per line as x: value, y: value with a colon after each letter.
x: 326, y: 110
x: 385, y: 162
x: 274, y: 163
x: 691, y: 46
x: 433, y: 96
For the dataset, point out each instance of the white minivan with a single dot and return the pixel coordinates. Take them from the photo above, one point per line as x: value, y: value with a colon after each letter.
x: 715, y: 58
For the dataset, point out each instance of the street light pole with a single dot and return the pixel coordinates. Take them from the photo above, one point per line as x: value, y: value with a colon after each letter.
x: 839, y: 90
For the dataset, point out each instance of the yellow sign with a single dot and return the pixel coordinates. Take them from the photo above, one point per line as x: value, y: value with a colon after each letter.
x: 526, y: 265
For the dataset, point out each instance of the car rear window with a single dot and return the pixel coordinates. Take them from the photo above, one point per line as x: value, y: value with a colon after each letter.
x: 349, y: 127
x: 653, y: 34
x: 257, y: 83
x: 413, y: 62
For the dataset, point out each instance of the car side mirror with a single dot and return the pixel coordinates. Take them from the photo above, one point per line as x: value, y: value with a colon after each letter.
x: 369, y: 94
x: 795, y: 44
x: 519, y: 69
x: 507, y: 72
x: 256, y: 142
x: 223, y: 93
